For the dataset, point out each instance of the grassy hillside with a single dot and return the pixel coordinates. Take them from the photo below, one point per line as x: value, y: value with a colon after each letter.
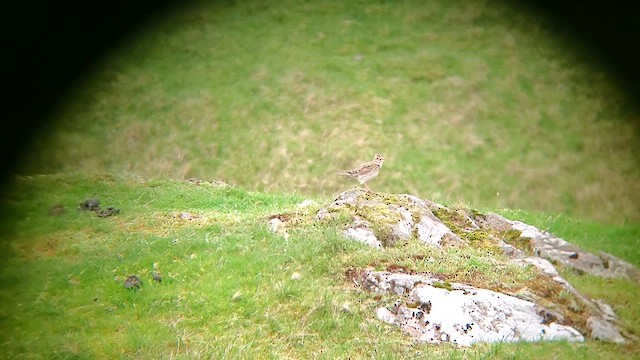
x: 472, y: 101
x: 228, y: 287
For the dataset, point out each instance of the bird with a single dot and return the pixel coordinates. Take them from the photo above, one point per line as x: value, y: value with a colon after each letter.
x: 365, y: 172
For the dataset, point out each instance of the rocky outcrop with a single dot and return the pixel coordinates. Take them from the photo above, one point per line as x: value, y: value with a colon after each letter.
x: 382, y: 219
x: 548, y: 246
x: 433, y: 310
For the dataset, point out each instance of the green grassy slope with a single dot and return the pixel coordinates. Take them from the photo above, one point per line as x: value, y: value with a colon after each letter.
x: 227, y: 289
x: 474, y: 101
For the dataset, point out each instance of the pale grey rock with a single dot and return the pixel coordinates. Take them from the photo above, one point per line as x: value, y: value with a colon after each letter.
x: 391, y: 220
x: 464, y: 315
x: 488, y: 308
x: 509, y: 250
x: 276, y: 225
x: 385, y: 315
x: 346, y: 308
x: 550, y: 271
x: 322, y: 215
x: 602, y: 330
x: 237, y: 296
x: 606, y: 309
x: 404, y: 227
x: 544, y: 266
x: 363, y: 235
x: 602, y: 325
x: 399, y: 284
x: 553, y: 248
x: 481, y: 315
x: 434, y: 232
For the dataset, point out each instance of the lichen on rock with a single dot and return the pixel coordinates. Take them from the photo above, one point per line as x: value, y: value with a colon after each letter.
x: 553, y: 248
x: 390, y: 218
x: 462, y: 314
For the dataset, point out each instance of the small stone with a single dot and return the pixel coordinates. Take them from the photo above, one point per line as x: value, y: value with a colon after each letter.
x: 110, y: 211
x: 396, y: 306
x: 194, y: 181
x: 573, y: 306
x: 276, y: 225
x: 607, y: 310
x: 296, y: 276
x: 385, y: 315
x: 549, y: 316
x: 90, y: 205
x: 132, y: 282
x: 363, y: 235
x: 218, y: 183
x: 346, y: 308
x: 236, y: 296
x: 603, y: 330
x: 323, y: 214
x: 448, y: 315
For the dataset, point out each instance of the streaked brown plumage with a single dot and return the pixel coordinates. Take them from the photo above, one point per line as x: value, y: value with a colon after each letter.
x: 365, y: 172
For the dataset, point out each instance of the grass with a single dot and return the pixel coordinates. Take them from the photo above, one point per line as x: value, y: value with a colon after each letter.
x: 227, y: 289
x: 481, y: 103
x: 485, y: 103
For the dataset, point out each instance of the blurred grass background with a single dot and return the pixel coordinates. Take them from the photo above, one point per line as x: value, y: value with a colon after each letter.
x: 471, y: 101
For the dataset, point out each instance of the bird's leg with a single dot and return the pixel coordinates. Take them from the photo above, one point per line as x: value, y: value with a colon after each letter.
x: 365, y: 185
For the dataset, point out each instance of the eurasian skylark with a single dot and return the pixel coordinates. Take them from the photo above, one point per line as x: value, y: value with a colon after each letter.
x: 365, y: 172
